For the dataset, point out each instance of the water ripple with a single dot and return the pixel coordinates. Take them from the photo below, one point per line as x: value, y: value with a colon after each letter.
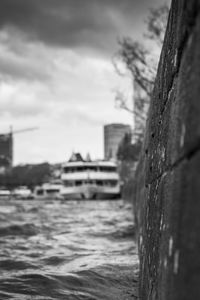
x: 67, y: 250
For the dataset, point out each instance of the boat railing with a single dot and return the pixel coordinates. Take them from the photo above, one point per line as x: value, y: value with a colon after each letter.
x: 73, y: 183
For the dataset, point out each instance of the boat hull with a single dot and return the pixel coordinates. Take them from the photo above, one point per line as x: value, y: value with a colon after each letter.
x: 86, y: 192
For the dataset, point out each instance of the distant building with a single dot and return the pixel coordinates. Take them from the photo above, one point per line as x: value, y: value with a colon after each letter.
x: 6, y: 152
x: 113, y: 135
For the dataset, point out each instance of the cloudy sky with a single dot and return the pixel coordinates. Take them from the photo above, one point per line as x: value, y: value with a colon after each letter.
x: 56, y: 72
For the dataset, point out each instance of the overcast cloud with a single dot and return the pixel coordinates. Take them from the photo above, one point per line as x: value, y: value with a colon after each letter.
x: 92, y: 24
x: 56, y: 72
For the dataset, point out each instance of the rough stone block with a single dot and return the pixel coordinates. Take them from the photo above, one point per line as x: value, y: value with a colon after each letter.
x: 168, y: 175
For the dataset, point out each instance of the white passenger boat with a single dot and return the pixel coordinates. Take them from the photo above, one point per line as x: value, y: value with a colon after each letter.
x: 48, y: 190
x: 23, y: 193
x: 90, y: 180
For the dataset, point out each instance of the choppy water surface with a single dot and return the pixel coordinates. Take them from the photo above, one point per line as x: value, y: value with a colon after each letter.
x: 67, y: 250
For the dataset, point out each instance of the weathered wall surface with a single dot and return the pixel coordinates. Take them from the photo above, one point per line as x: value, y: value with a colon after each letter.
x: 168, y: 176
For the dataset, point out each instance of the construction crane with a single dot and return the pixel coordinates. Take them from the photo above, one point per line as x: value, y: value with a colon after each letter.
x: 6, y: 146
x: 18, y: 131
x: 21, y: 130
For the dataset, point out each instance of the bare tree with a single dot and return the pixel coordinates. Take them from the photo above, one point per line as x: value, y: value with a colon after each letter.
x: 156, y: 23
x: 141, y: 64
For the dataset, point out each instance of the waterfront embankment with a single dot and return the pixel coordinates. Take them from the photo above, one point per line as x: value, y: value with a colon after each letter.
x: 167, y: 187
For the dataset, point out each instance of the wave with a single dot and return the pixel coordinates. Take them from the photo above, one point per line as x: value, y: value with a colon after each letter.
x: 108, y: 282
x: 18, y: 230
x: 10, y: 264
x: 73, y: 251
x: 126, y: 233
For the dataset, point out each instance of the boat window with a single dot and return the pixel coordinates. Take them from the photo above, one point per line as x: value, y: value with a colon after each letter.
x: 107, y: 169
x: 66, y: 170
x: 89, y: 168
x: 52, y: 191
x: 40, y: 192
x: 74, y: 169
x: 70, y: 169
x: 99, y: 182
x: 92, y: 168
x: 110, y: 182
x: 91, y: 181
x: 80, y: 169
x: 78, y: 182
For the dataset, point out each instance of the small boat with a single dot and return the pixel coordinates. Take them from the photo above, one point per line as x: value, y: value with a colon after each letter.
x: 90, y: 180
x: 5, y: 193
x: 48, y: 190
x: 22, y: 193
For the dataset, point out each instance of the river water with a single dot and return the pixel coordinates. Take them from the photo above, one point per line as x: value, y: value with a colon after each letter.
x: 67, y: 250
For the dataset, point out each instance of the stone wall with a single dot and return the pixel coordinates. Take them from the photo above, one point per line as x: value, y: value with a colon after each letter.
x: 168, y: 176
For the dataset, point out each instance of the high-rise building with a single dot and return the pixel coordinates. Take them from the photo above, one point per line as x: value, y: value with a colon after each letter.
x: 6, y: 148
x: 6, y: 152
x: 113, y: 135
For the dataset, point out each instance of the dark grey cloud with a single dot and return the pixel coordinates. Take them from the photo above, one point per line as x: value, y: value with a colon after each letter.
x: 93, y: 24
